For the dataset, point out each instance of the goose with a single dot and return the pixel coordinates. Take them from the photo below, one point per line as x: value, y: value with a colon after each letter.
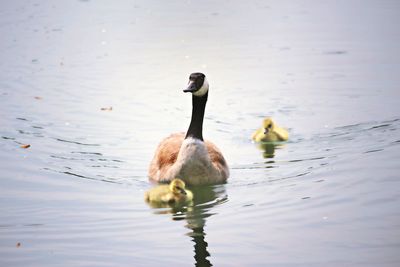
x: 270, y: 132
x: 188, y: 156
x: 173, y: 193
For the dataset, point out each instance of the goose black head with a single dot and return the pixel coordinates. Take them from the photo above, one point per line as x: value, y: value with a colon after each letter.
x: 198, y: 84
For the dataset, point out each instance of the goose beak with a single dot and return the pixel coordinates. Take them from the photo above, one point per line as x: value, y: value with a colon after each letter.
x: 266, y: 130
x: 191, y: 87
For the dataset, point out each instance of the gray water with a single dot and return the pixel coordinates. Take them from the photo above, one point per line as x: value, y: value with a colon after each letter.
x: 326, y: 70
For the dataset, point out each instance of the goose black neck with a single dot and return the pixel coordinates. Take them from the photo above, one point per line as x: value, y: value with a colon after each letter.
x: 196, y: 124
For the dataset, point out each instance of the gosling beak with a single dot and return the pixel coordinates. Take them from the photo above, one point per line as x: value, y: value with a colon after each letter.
x: 266, y: 130
x: 182, y: 191
x: 191, y: 87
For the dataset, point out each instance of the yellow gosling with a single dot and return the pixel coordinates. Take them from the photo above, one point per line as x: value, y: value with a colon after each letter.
x: 173, y: 193
x: 270, y: 132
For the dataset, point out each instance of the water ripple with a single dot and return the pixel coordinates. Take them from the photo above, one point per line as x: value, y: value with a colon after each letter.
x: 75, y: 142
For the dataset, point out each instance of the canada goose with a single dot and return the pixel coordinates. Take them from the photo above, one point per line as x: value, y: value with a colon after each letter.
x: 270, y: 132
x: 189, y: 157
x: 173, y: 193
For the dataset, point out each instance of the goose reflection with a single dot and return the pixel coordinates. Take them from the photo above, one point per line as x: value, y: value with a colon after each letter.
x: 196, y: 214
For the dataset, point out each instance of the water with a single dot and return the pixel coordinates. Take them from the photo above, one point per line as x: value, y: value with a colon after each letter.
x: 327, y: 71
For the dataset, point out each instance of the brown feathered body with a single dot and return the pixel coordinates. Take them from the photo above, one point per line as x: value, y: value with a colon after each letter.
x: 192, y: 160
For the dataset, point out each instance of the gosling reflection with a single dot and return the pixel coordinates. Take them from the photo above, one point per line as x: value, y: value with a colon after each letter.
x: 195, y: 213
x: 268, y: 148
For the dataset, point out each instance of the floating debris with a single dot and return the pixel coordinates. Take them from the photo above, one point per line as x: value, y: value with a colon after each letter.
x: 18, y: 245
x: 38, y: 97
x: 25, y: 146
x: 107, y: 109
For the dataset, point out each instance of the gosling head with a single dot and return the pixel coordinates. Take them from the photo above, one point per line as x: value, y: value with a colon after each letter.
x: 197, y: 85
x: 268, y: 125
x: 177, y: 187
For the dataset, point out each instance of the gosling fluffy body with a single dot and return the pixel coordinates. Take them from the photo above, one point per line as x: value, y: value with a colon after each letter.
x: 270, y: 132
x: 173, y: 193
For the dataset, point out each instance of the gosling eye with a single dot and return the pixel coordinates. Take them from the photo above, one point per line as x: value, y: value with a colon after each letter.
x: 181, y: 190
x: 270, y: 126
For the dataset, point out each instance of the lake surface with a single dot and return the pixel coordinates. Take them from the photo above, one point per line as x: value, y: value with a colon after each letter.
x: 93, y: 86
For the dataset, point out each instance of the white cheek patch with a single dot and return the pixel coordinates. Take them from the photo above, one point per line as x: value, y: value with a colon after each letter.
x: 203, y: 89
